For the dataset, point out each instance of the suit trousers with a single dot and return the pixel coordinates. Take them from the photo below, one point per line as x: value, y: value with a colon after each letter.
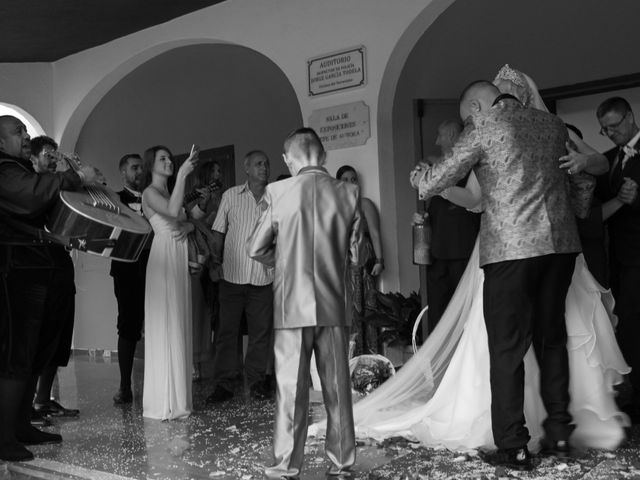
x: 625, y: 280
x: 293, y: 349
x: 256, y: 302
x: 524, y: 302
x: 443, y: 276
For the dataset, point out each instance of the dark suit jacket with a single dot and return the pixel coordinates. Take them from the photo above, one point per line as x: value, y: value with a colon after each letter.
x: 624, y: 225
x: 453, y: 229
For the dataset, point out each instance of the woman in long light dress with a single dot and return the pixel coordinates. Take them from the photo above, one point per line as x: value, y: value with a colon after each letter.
x: 442, y: 396
x: 167, y: 323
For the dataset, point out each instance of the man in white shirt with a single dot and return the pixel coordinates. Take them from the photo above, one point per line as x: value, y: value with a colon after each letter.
x: 245, y: 286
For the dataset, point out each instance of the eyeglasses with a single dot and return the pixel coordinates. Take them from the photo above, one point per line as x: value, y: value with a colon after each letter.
x: 614, y: 126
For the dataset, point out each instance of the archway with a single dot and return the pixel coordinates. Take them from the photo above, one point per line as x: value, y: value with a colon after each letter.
x: 210, y: 94
x: 452, y: 43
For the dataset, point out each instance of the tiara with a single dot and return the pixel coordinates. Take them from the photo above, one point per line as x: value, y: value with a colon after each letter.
x: 508, y: 73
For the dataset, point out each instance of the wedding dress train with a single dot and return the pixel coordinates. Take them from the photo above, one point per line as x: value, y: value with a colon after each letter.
x: 442, y: 396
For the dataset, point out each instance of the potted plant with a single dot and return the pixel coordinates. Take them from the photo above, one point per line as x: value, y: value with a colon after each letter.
x: 393, y: 319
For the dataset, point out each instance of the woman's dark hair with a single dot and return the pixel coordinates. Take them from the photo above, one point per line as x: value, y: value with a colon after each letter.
x: 148, y: 159
x: 344, y: 169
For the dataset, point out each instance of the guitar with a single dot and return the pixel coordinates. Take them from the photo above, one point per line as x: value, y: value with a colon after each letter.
x: 97, y: 220
x: 194, y: 194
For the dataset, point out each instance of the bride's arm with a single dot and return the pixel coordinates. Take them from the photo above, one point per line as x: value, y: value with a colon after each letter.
x: 469, y: 196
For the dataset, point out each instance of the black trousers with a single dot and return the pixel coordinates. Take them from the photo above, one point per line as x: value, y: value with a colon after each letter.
x: 524, y: 302
x: 60, y: 307
x: 129, y: 288
x: 443, y: 276
x: 256, y: 302
x: 24, y: 351
x: 625, y: 285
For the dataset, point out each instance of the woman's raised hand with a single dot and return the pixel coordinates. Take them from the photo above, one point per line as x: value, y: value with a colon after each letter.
x: 190, y: 163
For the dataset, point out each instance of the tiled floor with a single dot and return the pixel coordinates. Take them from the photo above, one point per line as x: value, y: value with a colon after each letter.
x: 233, y: 442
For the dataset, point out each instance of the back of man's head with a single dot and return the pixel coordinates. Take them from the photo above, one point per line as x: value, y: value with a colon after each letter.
x: 477, y: 97
x: 305, y: 144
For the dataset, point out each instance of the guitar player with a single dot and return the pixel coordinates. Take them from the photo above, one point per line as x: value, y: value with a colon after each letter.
x: 60, y: 307
x: 26, y: 273
x: 129, y: 281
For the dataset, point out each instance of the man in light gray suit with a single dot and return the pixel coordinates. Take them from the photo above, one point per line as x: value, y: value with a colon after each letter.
x: 528, y: 245
x: 310, y: 232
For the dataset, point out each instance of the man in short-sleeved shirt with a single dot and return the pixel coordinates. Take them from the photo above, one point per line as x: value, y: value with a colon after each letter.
x: 245, y: 286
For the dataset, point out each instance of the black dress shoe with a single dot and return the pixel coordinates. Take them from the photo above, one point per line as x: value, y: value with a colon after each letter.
x: 557, y: 448
x: 14, y: 452
x: 514, y: 458
x: 38, y: 437
x: 260, y: 391
x: 38, y: 420
x: 54, y: 409
x: 122, y: 397
x: 219, y: 395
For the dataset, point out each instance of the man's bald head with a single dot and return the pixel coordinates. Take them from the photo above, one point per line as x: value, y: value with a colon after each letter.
x: 477, y: 97
x: 14, y: 139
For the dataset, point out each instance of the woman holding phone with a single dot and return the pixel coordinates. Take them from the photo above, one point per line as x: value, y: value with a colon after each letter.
x: 167, y: 339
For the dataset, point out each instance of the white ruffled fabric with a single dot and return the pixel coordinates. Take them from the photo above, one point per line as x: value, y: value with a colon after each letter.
x: 442, y: 396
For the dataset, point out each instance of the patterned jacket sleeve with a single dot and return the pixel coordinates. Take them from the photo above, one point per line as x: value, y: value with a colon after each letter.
x: 465, y: 154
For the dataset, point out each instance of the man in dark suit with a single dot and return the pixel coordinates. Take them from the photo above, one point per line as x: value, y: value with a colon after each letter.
x: 129, y: 282
x: 528, y: 245
x: 60, y: 305
x: 618, y: 190
x: 453, y: 234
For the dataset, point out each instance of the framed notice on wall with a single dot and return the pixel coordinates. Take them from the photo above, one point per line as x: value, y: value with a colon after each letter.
x: 337, y: 71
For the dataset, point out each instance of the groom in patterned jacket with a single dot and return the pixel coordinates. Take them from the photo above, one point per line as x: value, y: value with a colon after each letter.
x: 528, y: 246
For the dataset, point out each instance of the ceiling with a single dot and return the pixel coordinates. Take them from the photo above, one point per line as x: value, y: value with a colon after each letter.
x: 47, y: 30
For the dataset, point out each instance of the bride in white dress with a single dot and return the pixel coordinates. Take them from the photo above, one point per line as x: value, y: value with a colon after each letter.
x: 442, y: 396
x: 167, y: 323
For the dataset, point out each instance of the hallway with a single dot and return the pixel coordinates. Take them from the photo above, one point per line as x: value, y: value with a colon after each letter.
x: 233, y: 441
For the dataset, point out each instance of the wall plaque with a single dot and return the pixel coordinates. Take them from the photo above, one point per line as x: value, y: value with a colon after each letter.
x: 337, y: 71
x: 342, y: 126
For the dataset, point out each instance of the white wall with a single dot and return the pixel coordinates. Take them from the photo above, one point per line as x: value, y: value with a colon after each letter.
x: 29, y: 87
x: 581, y: 112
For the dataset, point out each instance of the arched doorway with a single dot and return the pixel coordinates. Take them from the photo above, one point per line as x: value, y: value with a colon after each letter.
x: 213, y: 95
x: 454, y: 42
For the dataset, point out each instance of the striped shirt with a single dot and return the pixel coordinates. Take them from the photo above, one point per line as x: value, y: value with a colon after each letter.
x: 237, y: 215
